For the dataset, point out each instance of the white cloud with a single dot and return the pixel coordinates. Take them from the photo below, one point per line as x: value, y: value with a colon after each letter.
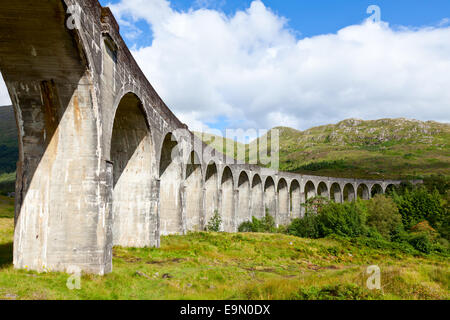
x: 4, y: 95
x: 251, y: 69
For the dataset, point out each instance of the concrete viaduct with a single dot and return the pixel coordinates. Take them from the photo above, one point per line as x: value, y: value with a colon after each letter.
x: 101, y: 160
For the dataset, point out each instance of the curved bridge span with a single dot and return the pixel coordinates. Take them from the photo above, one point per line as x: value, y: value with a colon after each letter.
x: 101, y: 158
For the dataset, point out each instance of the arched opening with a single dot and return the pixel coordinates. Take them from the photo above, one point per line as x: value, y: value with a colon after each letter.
x: 243, y: 213
x: 193, y: 193
x: 390, y: 189
x: 131, y: 154
x: 257, y: 197
x: 310, y: 190
x: 211, y: 192
x: 170, y: 174
x: 322, y: 190
x: 336, y: 193
x: 283, y: 202
x: 349, y: 192
x: 227, y: 208
x: 269, y: 197
x: 363, y: 192
x: 376, y: 189
x: 295, y: 199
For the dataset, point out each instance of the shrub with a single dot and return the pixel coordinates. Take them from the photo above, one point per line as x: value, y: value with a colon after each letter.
x: 215, y: 222
x: 306, y: 227
x: 347, y: 219
x: 421, y: 242
x: 315, y: 205
x: 266, y: 224
x: 383, y: 215
x: 424, y: 227
x: 418, y: 204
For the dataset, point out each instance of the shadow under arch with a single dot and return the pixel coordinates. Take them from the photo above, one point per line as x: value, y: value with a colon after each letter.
x: 283, y: 202
x: 243, y: 211
x: 270, y: 197
x: 376, y: 189
x: 131, y: 154
x: 310, y: 190
x: 322, y: 190
x: 348, y: 193
x: 170, y: 175
x: 336, y: 192
x: 193, y: 190
x: 211, y: 192
x: 257, y: 204
x: 227, y: 200
x: 363, y: 191
x: 295, y: 199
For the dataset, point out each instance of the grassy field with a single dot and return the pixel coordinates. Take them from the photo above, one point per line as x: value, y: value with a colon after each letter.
x: 235, y: 266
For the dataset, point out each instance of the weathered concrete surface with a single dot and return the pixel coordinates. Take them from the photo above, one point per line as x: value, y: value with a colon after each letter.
x: 104, y: 161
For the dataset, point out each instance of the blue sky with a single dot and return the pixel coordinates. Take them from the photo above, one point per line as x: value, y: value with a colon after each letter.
x: 311, y: 18
x: 257, y: 64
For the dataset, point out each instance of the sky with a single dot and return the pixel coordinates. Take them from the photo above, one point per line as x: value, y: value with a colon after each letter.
x: 259, y: 64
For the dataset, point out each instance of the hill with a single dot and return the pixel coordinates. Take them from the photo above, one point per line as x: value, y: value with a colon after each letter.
x: 373, y: 149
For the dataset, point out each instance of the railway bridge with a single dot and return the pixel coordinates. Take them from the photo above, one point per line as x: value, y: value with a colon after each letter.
x: 102, y: 159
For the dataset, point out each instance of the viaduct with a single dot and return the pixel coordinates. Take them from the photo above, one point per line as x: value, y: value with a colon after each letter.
x: 101, y: 162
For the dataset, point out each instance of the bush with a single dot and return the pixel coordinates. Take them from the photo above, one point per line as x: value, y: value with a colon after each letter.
x: 346, y: 220
x: 421, y: 242
x: 266, y: 224
x: 215, y: 222
x: 418, y: 204
x: 383, y: 215
x: 306, y: 227
x: 315, y: 205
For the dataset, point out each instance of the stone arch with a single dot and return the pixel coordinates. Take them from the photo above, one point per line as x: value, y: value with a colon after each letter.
x: 270, y: 197
x: 257, y: 204
x: 193, y: 187
x: 310, y: 190
x: 211, y: 192
x: 322, y: 190
x: 131, y: 154
x: 390, y: 188
x: 227, y: 200
x: 283, y: 202
x: 376, y: 189
x: 170, y: 175
x: 349, y: 192
x: 336, y: 192
x: 363, y: 191
x: 295, y: 199
x: 243, y: 211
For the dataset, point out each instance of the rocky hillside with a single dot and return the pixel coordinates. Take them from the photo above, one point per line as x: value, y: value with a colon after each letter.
x: 385, y: 148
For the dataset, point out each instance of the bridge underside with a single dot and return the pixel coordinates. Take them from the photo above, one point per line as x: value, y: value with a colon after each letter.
x: 103, y: 161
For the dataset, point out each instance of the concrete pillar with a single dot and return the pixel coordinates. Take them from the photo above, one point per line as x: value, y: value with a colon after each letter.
x: 155, y: 207
x: 183, y: 209
x: 234, y: 226
x: 63, y: 188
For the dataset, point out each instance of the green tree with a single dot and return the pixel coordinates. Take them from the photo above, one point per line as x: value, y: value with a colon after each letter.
x: 383, y: 215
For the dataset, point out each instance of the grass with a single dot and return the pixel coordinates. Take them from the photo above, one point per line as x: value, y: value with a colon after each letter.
x: 235, y: 266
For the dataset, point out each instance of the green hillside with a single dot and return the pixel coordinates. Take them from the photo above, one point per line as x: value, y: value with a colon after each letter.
x: 8, y: 149
x: 375, y: 149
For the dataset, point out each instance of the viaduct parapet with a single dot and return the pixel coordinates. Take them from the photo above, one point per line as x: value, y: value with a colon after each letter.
x: 101, y: 158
